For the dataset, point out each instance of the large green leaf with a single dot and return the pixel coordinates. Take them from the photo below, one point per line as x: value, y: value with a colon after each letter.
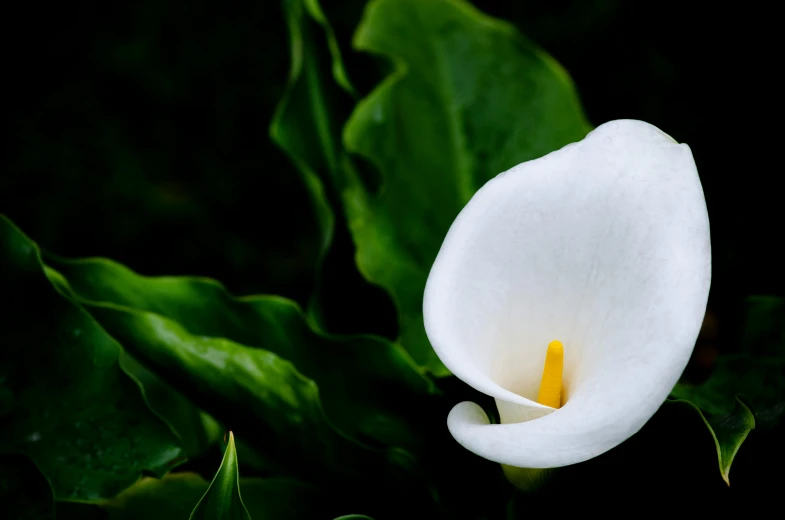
x: 365, y: 382
x: 197, y: 430
x: 67, y: 403
x: 469, y: 98
x: 254, y: 391
x: 222, y: 500
x: 249, y: 389
x: 258, y: 393
x: 756, y: 374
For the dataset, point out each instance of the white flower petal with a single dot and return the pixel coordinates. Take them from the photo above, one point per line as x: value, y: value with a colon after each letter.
x: 602, y: 245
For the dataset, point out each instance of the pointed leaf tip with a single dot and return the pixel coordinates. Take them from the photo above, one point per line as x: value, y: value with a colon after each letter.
x: 756, y: 373
x: 222, y: 501
x: 728, y: 431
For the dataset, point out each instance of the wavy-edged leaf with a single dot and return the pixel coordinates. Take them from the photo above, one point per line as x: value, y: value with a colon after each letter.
x: 301, y: 125
x: 307, y: 126
x: 470, y: 97
x: 68, y: 404
x: 258, y: 394
x: 222, y: 500
x: 364, y: 381
x: 25, y: 493
x: 197, y: 430
x: 174, y: 496
x: 251, y: 390
x: 756, y: 374
x: 261, y: 395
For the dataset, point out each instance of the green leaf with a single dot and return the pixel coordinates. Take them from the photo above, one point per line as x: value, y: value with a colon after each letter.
x: 222, y: 501
x: 373, y: 393
x: 756, y: 374
x: 728, y: 431
x: 66, y: 402
x: 302, y: 125
x: 364, y: 381
x: 25, y: 493
x: 354, y: 517
x: 253, y: 390
x: 174, y: 497
x: 196, y: 429
x: 469, y: 98
x: 307, y: 126
x: 371, y: 384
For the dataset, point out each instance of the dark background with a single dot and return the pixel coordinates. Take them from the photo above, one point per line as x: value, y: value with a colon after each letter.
x: 139, y: 131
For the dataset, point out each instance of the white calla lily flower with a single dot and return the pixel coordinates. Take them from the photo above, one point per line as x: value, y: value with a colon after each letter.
x: 602, y: 245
